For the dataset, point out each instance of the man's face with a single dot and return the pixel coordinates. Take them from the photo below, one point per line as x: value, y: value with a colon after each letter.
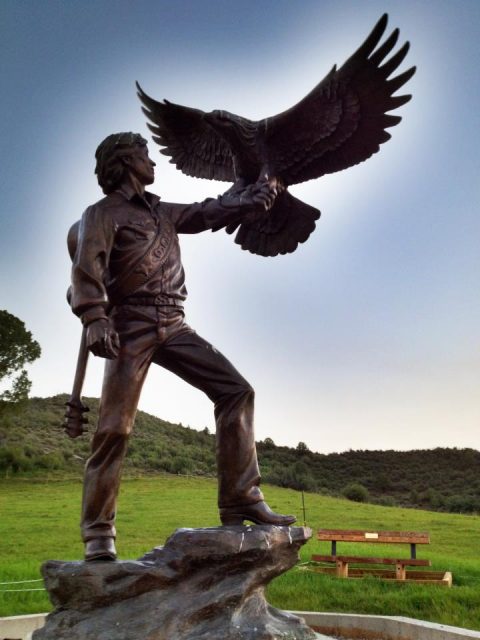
x: 140, y: 165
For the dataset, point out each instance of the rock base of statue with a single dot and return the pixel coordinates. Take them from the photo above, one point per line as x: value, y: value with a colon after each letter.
x: 203, y: 584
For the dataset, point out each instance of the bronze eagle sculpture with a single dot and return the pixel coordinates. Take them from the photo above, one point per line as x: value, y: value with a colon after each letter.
x: 340, y: 123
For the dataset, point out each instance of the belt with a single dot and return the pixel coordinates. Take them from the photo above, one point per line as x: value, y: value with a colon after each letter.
x: 154, y: 301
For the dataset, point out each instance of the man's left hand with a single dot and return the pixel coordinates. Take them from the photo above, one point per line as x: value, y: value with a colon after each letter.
x: 264, y: 192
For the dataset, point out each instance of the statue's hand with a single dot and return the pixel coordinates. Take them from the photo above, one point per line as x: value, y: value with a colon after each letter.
x: 102, y: 339
x: 254, y: 201
x: 264, y: 192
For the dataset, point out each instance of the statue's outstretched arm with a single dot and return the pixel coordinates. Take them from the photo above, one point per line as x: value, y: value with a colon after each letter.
x: 230, y: 208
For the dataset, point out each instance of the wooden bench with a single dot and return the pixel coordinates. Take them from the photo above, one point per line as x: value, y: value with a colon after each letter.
x: 383, y: 537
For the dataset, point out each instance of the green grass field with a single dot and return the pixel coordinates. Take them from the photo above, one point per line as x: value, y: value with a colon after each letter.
x: 39, y: 521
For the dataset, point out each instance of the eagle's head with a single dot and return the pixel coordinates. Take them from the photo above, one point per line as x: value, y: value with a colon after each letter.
x: 219, y: 119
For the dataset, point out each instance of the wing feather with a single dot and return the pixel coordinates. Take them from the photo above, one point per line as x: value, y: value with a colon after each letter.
x: 400, y: 80
x: 383, y: 51
x: 192, y: 144
x: 342, y: 121
x: 395, y: 61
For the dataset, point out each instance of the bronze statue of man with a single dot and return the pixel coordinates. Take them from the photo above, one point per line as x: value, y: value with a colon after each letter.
x: 128, y: 288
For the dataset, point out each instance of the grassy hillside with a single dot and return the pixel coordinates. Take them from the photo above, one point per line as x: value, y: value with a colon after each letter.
x: 32, y: 441
x: 39, y: 521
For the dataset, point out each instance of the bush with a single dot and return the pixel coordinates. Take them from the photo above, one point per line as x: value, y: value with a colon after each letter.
x: 462, y: 504
x: 356, y: 492
x: 433, y: 498
x: 296, y: 477
x: 181, y: 465
x: 50, y: 461
x: 14, y: 458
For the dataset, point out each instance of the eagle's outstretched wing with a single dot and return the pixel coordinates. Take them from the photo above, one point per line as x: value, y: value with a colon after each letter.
x: 195, y: 148
x: 342, y: 121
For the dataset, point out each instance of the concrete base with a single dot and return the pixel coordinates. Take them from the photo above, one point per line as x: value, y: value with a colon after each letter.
x: 350, y: 626
x: 21, y: 627
x: 353, y: 626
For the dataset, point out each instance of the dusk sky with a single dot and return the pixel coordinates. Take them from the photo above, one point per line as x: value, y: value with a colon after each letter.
x: 367, y: 337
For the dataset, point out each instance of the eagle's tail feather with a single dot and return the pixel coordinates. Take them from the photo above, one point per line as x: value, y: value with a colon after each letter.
x: 280, y: 230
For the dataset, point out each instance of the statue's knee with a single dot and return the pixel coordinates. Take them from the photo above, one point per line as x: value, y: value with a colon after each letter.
x: 242, y: 390
x: 114, y: 429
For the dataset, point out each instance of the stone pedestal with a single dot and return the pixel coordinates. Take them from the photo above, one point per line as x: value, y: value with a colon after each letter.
x: 204, y: 584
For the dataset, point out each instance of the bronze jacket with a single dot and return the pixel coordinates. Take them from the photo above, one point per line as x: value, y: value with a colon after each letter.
x: 128, y: 245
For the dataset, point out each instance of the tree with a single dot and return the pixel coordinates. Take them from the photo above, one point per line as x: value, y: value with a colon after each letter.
x: 17, y: 348
x: 302, y: 447
x: 268, y: 442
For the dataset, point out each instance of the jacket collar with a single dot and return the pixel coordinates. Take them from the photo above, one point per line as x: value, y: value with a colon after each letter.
x: 150, y: 199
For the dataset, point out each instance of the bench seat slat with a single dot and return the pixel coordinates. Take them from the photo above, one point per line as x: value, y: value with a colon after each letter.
x: 355, y: 535
x: 361, y: 559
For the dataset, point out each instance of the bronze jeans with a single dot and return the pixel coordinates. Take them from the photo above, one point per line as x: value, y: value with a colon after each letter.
x: 160, y: 335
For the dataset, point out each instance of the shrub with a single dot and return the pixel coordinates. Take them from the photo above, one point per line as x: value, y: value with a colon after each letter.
x: 50, y: 461
x: 462, y: 504
x: 15, y: 459
x: 356, y: 492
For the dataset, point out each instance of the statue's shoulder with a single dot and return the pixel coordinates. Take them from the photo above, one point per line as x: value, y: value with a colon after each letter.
x: 105, y: 203
x: 104, y: 207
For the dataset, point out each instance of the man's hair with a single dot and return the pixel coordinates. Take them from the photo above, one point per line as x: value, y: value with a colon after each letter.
x: 110, y: 169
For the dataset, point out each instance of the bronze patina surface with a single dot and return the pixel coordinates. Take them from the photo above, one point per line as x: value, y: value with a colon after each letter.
x: 128, y: 288
x: 128, y: 282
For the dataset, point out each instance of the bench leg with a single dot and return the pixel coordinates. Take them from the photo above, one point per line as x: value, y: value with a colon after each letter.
x: 400, y: 571
x: 342, y: 569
